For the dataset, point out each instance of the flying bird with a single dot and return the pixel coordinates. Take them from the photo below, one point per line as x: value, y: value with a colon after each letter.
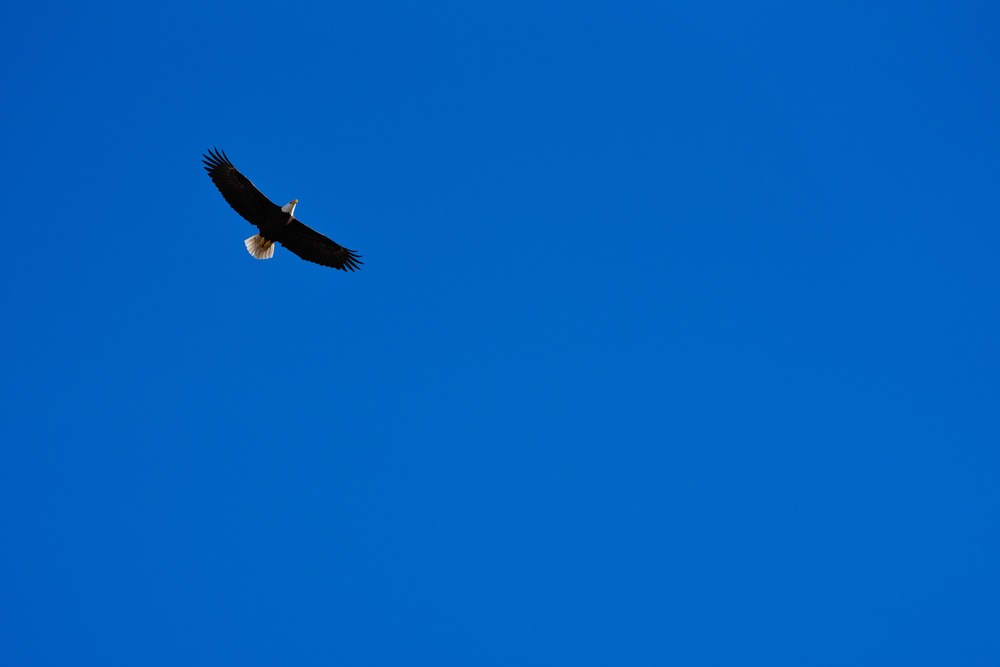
x: 276, y: 224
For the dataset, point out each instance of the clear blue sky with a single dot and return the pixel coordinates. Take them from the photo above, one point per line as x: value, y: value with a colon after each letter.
x: 675, y: 342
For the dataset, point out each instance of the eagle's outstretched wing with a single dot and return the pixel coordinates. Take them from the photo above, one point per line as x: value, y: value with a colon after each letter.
x: 237, y: 189
x: 312, y: 246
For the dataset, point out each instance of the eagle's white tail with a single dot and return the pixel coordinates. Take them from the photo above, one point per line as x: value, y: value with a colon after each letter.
x: 259, y: 248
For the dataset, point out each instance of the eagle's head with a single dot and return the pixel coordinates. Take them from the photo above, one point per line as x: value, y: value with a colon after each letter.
x: 289, y: 208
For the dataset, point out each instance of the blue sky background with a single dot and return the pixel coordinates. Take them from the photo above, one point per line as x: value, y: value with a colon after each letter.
x: 675, y: 342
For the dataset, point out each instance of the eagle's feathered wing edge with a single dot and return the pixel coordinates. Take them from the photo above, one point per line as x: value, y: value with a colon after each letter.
x: 312, y: 246
x: 237, y: 189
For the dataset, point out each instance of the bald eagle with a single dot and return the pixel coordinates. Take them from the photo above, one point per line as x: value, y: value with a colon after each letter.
x: 276, y: 224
